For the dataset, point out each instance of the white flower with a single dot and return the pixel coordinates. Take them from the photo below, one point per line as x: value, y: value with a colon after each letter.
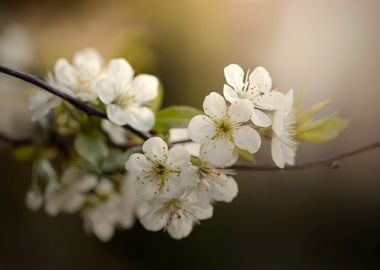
x: 177, y: 216
x: 126, y: 96
x: 34, y: 198
x: 213, y: 184
x: 284, y: 145
x: 159, y: 170
x: 182, y: 134
x: 255, y: 87
x: 117, y: 134
x: 78, y: 79
x: 69, y: 194
x: 115, y: 209
x: 223, y: 128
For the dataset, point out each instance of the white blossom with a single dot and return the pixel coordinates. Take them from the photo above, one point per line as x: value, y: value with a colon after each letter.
x: 177, y: 215
x: 223, y: 128
x: 284, y: 145
x: 158, y: 170
x: 78, y: 78
x: 182, y: 134
x: 69, y: 194
x: 126, y: 96
x: 117, y: 134
x: 34, y: 198
x: 113, y: 209
x: 212, y: 184
x: 256, y: 87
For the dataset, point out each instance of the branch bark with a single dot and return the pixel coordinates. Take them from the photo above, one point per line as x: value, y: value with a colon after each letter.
x: 331, y: 162
x: 72, y: 100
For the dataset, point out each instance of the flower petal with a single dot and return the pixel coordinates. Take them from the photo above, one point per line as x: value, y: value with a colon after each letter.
x: 105, y: 90
x: 247, y: 138
x: 241, y: 110
x: 261, y: 119
x: 271, y: 101
x: 138, y: 165
x: 121, y: 72
x: 218, y: 152
x: 147, y: 188
x: 234, y: 76
x: 88, y: 60
x: 140, y: 118
x: 117, y: 114
x: 65, y: 73
x: 144, y: 88
x: 277, y: 152
x: 178, y: 157
x: 229, y: 93
x: 225, y: 188
x: 201, y: 129
x: 180, y: 226
x: 260, y: 80
x: 156, y: 149
x: 155, y: 219
x: 214, y: 106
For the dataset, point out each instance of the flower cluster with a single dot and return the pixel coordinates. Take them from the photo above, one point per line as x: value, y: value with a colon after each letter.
x: 170, y: 181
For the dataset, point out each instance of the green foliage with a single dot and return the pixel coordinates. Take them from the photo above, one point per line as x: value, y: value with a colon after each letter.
x: 91, y: 147
x: 174, y: 117
x: 116, y: 159
x: 322, y: 130
x: 246, y: 155
x: 24, y: 153
x: 311, y: 112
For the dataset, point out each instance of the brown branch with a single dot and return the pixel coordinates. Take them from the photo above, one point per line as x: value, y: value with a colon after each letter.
x: 13, y: 141
x: 72, y: 100
x: 332, y: 161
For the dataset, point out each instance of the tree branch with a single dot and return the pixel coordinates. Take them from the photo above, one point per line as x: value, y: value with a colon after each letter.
x: 72, y: 100
x: 332, y: 161
x: 14, y: 142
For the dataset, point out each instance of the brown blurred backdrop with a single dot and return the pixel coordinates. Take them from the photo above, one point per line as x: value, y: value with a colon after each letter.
x: 314, y: 219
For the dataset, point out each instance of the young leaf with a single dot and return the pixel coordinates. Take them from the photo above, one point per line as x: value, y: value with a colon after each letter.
x: 116, y: 159
x: 246, y: 155
x: 312, y: 111
x: 322, y: 130
x: 91, y: 147
x: 174, y: 117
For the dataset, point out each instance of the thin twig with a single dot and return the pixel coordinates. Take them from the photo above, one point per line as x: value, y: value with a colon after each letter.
x: 332, y: 161
x: 72, y: 100
x: 13, y: 141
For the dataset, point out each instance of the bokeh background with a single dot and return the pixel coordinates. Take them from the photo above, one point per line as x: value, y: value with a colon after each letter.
x: 314, y: 219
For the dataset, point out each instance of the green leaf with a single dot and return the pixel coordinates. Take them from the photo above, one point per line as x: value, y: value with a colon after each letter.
x: 311, y: 112
x: 322, y: 130
x: 174, y: 117
x: 246, y: 155
x: 116, y: 159
x: 91, y: 147
x: 156, y: 104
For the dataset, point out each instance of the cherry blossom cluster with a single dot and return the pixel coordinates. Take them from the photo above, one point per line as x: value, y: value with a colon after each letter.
x: 167, y: 185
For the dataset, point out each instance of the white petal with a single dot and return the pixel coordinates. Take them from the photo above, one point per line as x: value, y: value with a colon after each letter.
x: 271, y: 101
x: 260, y: 80
x: 202, y: 212
x: 261, y: 119
x: 138, y: 165
x: 140, y: 118
x: 278, y: 122
x: 229, y: 93
x: 218, y: 152
x: 147, y: 188
x: 121, y: 72
x: 104, y: 230
x: 234, y: 76
x: 144, y: 87
x: 180, y: 226
x: 189, y: 176
x: 277, y: 153
x: 88, y: 60
x: 34, y: 199
x: 105, y: 89
x: 241, y: 110
x: 225, y: 188
x: 73, y: 202
x: 155, y: 219
x: 156, y: 149
x: 116, y: 134
x: 65, y: 74
x: 214, y: 106
x: 172, y: 188
x: 117, y: 114
x: 178, y: 157
x: 87, y: 183
x: 201, y: 129
x: 247, y: 138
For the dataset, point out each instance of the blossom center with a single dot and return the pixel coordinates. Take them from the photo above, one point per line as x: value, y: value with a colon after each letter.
x: 125, y: 100
x: 224, y: 128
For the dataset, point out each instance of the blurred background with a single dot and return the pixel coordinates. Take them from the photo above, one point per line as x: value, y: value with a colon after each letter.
x: 313, y: 219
